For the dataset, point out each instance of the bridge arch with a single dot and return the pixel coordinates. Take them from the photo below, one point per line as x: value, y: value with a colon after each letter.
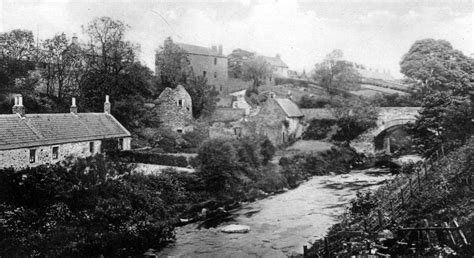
x: 392, y: 136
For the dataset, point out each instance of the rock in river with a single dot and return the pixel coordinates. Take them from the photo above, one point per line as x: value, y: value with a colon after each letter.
x: 235, y: 229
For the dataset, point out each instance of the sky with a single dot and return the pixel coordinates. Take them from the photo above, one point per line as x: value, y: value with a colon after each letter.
x: 374, y: 33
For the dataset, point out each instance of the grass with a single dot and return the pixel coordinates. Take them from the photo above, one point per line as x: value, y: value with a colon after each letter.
x: 310, y: 146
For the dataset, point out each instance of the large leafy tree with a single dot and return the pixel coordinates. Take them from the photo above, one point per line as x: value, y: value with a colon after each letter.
x: 172, y: 65
x: 256, y: 70
x: 445, y: 120
x: 336, y: 75
x: 436, y: 65
x: 63, y: 62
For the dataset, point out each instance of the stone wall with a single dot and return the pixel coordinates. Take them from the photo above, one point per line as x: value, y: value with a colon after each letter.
x: 215, y: 68
x: 269, y: 122
x: 20, y: 158
x: 174, y: 108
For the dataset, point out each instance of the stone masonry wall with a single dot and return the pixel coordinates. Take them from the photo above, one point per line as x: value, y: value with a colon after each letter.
x: 201, y: 63
x: 171, y: 113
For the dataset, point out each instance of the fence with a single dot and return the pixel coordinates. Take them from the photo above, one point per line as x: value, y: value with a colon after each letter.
x: 389, y: 213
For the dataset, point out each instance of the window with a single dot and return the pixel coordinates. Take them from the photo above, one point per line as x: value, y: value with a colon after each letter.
x: 33, y: 156
x: 179, y: 130
x: 91, y: 147
x: 120, y: 144
x: 215, y: 74
x: 238, y: 131
x: 220, y: 88
x: 215, y: 60
x: 55, y: 152
x: 204, y: 73
x: 180, y: 102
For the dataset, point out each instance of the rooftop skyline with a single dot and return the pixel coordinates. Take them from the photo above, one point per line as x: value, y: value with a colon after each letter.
x: 375, y: 34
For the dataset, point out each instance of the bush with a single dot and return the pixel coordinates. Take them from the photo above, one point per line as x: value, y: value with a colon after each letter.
x: 314, y: 102
x: 149, y: 158
x: 87, y: 208
x: 318, y: 129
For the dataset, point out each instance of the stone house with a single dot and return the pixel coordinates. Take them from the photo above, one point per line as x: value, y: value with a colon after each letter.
x: 278, y: 67
x: 230, y: 123
x: 35, y: 139
x: 239, y: 101
x: 175, y: 109
x: 209, y: 63
x: 280, y: 119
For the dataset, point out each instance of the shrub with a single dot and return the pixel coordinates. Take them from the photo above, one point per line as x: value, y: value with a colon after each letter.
x: 88, y: 208
x: 318, y: 129
x: 149, y: 158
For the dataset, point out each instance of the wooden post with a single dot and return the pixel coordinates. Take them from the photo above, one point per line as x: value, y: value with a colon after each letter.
x: 305, y: 251
x: 391, y: 209
x: 426, y: 169
x: 442, y: 149
x: 411, y: 188
x: 427, y: 232
x: 449, y: 232
x: 460, y: 232
x: 326, y: 247
x: 380, y: 218
x: 419, y: 180
x: 401, y: 196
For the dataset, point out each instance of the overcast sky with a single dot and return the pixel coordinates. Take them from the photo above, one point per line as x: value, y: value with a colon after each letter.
x: 374, y: 33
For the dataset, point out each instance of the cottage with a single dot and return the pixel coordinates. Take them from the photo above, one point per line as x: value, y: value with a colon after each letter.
x: 279, y: 119
x: 278, y: 67
x: 175, y: 109
x: 35, y: 139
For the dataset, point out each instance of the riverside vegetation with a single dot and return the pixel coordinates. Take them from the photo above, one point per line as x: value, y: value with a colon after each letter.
x: 95, y: 206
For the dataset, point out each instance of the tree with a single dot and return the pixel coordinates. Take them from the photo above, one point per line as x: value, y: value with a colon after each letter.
x: 256, y: 70
x: 63, y: 62
x: 336, y: 75
x: 172, y: 65
x: 203, y: 95
x: 353, y: 117
x: 444, y: 120
x: 436, y: 65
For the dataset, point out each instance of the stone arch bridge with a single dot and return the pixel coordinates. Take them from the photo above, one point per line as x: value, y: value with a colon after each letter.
x: 389, y: 117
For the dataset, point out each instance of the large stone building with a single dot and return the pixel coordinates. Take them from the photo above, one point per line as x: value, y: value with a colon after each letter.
x: 278, y: 67
x: 175, y: 109
x: 209, y: 63
x: 279, y: 119
x: 35, y: 139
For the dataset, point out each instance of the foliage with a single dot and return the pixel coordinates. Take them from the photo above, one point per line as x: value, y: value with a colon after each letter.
x: 444, y: 120
x: 267, y: 150
x: 318, y: 129
x: 336, y: 75
x: 256, y: 70
x: 88, y: 208
x: 203, y: 95
x: 314, y: 102
x: 173, y: 65
x: 397, y: 100
x: 149, y: 158
x: 353, y: 118
x: 436, y: 65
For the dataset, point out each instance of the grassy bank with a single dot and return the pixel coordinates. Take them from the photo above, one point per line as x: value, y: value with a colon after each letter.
x: 442, y: 195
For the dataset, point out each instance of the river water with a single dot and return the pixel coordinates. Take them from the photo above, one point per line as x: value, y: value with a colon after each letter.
x: 281, y: 224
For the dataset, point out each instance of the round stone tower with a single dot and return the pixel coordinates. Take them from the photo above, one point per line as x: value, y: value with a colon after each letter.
x: 174, y: 107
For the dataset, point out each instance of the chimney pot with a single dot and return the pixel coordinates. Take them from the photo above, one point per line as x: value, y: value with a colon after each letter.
x: 107, y: 105
x: 18, y: 108
x: 74, y: 38
x: 220, y: 49
x: 73, y: 107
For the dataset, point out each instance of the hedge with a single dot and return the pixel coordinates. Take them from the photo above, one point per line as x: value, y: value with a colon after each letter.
x: 149, y: 158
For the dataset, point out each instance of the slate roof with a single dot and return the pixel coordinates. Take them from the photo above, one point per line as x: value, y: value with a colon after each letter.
x: 275, y: 61
x: 48, y: 129
x: 198, y: 50
x: 290, y: 108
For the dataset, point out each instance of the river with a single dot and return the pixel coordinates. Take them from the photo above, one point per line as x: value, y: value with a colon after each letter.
x: 281, y: 224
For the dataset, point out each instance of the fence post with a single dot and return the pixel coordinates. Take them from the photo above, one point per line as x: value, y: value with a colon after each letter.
x: 460, y: 231
x: 305, y: 251
x: 411, y: 189
x: 391, y: 209
x: 380, y: 218
x: 442, y: 149
x: 419, y: 180
x: 401, y: 195
x: 326, y: 247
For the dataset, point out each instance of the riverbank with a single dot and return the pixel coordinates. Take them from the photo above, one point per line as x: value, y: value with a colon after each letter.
x: 280, y: 224
x: 436, y: 193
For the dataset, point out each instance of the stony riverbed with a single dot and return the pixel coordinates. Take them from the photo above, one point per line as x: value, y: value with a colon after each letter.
x: 279, y: 225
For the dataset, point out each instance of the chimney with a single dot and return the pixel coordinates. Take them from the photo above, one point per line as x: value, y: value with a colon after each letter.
x: 278, y: 56
x: 289, y: 96
x: 220, y: 49
x: 18, y: 108
x: 74, y: 39
x: 73, y: 107
x: 272, y: 95
x: 214, y: 49
x: 107, y: 105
